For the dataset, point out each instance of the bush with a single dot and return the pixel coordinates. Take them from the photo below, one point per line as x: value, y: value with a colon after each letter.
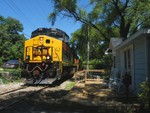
x: 1, y: 61
x: 97, y: 64
x: 4, y: 79
x: 144, y: 95
x: 12, y: 76
x: 15, y: 74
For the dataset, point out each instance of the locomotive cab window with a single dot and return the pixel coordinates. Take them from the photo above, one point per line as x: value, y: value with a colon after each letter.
x: 47, y: 41
x: 66, y: 38
x: 62, y: 39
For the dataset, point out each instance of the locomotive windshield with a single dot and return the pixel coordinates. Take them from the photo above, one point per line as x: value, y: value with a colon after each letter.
x: 53, y: 32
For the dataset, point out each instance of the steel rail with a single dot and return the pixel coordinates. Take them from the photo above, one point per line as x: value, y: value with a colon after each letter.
x: 12, y: 90
x: 22, y: 98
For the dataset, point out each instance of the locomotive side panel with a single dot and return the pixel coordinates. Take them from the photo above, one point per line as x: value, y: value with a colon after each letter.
x: 67, y: 54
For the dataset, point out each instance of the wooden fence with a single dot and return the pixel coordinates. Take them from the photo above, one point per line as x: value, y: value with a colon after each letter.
x: 89, y: 75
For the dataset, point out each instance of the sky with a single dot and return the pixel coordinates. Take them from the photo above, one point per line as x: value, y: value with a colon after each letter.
x: 34, y: 14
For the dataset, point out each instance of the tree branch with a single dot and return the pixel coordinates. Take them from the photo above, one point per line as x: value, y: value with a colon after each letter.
x: 78, y: 18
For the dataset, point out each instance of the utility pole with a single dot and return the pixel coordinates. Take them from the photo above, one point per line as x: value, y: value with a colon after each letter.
x: 88, y: 49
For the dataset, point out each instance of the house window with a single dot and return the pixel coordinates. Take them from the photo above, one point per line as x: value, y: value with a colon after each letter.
x: 114, y: 62
x: 127, y: 60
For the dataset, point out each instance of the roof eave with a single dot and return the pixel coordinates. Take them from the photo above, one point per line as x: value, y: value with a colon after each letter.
x: 141, y: 33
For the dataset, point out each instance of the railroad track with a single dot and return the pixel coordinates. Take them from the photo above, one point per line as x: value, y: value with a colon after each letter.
x: 7, y: 103
x: 11, y: 91
x: 50, y: 96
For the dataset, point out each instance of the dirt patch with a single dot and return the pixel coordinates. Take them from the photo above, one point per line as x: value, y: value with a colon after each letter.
x: 82, y: 98
x: 9, y: 87
x: 97, y: 94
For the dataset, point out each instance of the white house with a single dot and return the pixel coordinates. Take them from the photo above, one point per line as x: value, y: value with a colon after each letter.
x: 132, y: 56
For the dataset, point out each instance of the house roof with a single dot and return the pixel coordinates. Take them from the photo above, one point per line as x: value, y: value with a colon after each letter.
x: 114, y: 42
x: 141, y: 33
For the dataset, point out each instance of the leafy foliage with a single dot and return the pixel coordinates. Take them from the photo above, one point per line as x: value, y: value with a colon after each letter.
x: 10, y: 40
x: 13, y: 76
x: 106, y: 19
x: 127, y: 16
x: 102, y: 20
x: 144, y: 96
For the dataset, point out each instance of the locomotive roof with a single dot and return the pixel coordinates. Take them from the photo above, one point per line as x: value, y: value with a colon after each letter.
x: 54, y: 32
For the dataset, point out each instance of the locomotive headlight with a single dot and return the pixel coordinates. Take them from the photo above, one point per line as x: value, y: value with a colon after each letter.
x: 48, y: 57
x: 41, y: 39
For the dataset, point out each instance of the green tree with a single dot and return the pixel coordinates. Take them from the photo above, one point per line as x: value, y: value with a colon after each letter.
x: 106, y: 15
x: 11, y: 41
x: 106, y: 19
x: 79, y: 40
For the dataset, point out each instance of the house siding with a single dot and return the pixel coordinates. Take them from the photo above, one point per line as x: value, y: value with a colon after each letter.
x: 118, y: 63
x: 148, y: 58
x: 139, y: 62
x: 139, y: 44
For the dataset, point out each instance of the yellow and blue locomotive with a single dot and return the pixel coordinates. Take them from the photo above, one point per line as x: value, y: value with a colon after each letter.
x: 48, y: 56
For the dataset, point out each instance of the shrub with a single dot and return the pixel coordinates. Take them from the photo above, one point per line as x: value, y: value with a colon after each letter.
x: 144, y: 95
x: 13, y: 76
